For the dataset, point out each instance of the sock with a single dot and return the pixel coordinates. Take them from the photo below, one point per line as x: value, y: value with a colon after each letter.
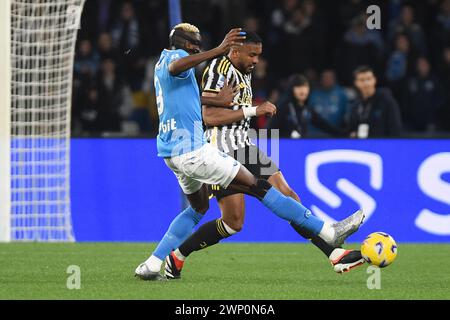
x: 207, y: 235
x: 327, y: 232
x: 293, y: 211
x: 316, y: 240
x: 154, y: 263
x: 179, y: 255
x: 180, y: 229
x: 228, y: 228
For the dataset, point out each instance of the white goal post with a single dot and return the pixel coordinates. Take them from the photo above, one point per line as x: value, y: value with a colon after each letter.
x: 5, y: 123
x: 36, y: 69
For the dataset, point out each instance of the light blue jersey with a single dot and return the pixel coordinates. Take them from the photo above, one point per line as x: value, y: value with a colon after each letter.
x: 179, y: 108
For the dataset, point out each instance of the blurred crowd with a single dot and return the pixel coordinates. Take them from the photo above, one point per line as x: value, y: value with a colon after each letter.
x: 312, y: 49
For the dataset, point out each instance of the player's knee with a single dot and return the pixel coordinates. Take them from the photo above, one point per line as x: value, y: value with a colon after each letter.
x: 288, y: 192
x: 237, y: 227
x: 235, y: 223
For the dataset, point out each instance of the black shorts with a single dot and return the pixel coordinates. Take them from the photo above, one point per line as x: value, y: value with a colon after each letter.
x: 255, y: 160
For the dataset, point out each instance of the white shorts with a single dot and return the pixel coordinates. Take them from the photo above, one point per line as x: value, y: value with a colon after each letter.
x: 206, y: 165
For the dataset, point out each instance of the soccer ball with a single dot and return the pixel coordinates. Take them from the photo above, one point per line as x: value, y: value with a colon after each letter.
x: 379, y: 249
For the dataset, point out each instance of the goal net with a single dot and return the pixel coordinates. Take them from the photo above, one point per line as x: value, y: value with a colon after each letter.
x: 42, y: 47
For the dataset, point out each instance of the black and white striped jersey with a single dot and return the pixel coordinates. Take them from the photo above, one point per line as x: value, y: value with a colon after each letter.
x: 233, y: 136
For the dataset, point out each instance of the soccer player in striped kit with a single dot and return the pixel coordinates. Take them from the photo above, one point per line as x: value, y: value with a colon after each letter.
x: 227, y: 129
x: 196, y: 163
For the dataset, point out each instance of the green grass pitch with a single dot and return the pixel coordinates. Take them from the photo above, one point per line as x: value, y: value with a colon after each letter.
x: 226, y: 271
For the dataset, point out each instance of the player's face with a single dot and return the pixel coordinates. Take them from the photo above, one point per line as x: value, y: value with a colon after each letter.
x: 365, y: 82
x: 195, y: 46
x: 248, y: 56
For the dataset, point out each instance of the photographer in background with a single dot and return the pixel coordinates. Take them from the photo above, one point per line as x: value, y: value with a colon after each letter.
x: 295, y: 116
x: 375, y: 113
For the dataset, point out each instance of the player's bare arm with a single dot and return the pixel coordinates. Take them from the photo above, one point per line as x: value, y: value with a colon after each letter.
x: 233, y: 38
x: 224, y: 98
x: 213, y: 116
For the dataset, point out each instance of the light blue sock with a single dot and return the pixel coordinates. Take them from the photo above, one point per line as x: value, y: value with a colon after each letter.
x: 179, y: 230
x: 292, y: 211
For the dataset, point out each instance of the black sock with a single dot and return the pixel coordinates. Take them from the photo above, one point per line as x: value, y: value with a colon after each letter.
x: 207, y: 235
x: 316, y: 240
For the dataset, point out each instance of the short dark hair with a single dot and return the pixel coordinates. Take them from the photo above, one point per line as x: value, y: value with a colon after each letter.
x: 362, y: 69
x: 252, y: 37
x: 299, y: 80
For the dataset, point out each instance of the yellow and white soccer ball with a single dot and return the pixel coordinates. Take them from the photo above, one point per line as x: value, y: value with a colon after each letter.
x: 379, y: 249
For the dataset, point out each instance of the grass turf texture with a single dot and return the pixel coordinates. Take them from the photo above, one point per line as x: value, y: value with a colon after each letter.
x: 226, y: 271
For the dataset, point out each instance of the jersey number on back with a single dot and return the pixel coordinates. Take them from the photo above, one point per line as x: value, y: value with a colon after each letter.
x: 159, y: 96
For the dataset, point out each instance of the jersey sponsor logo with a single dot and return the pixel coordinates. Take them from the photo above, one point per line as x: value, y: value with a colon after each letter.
x: 221, y: 81
x: 169, y: 125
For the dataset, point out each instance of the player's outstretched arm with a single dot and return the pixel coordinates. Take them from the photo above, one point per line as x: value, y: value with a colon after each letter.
x: 234, y: 37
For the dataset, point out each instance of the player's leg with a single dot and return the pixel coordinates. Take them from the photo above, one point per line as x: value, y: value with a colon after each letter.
x: 293, y: 211
x: 212, y: 166
x: 233, y: 211
x: 209, y: 234
x: 278, y: 181
x: 341, y: 259
x: 181, y: 227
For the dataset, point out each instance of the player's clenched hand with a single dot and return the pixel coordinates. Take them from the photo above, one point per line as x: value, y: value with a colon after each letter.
x: 225, y: 97
x: 267, y: 109
x: 233, y: 38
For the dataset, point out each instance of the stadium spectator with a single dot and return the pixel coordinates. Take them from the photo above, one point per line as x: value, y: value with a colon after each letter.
x: 295, y: 116
x: 399, y: 61
x: 360, y: 46
x: 305, y: 36
x: 444, y: 77
x: 349, y: 9
x: 110, y: 98
x: 97, y: 17
x: 440, y: 35
x: 261, y: 90
x: 260, y: 81
x: 407, y: 26
x: 87, y: 61
x: 105, y: 47
x: 319, y: 25
x: 251, y: 24
x: 280, y: 16
x: 86, y: 118
x: 423, y: 98
x: 399, y: 65
x: 329, y: 100
x: 126, y: 31
x: 126, y: 39
x: 302, y: 41
x: 276, y: 39
x: 375, y: 112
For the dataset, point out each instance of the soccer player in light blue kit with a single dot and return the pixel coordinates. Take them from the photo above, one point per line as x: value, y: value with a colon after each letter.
x: 197, y: 164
